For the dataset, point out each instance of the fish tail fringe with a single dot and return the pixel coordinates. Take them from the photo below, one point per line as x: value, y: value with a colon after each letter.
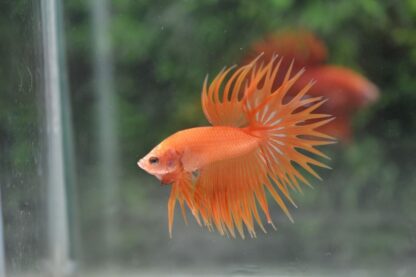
x: 288, y: 127
x: 183, y: 192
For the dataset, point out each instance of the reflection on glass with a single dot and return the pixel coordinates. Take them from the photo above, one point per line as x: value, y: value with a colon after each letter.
x: 58, y: 235
x: 106, y: 118
x: 2, y: 257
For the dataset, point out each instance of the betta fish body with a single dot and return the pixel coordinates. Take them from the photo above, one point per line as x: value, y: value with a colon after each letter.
x: 221, y: 171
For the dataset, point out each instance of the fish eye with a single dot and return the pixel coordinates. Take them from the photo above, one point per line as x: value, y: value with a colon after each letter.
x: 153, y: 160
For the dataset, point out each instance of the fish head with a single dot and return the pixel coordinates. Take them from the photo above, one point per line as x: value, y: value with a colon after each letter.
x: 160, y: 161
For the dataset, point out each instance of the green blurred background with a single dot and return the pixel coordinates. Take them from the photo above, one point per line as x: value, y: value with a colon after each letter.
x: 361, y: 216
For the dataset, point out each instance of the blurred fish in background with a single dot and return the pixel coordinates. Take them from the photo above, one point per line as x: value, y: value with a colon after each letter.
x: 346, y: 91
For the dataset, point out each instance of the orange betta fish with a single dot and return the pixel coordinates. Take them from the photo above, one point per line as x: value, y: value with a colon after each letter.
x: 257, y: 141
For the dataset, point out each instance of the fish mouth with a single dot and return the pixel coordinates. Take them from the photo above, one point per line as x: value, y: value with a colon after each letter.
x: 140, y: 164
x: 372, y: 94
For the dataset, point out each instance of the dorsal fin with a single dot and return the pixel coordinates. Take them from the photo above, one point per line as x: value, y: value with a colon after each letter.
x: 222, y: 102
